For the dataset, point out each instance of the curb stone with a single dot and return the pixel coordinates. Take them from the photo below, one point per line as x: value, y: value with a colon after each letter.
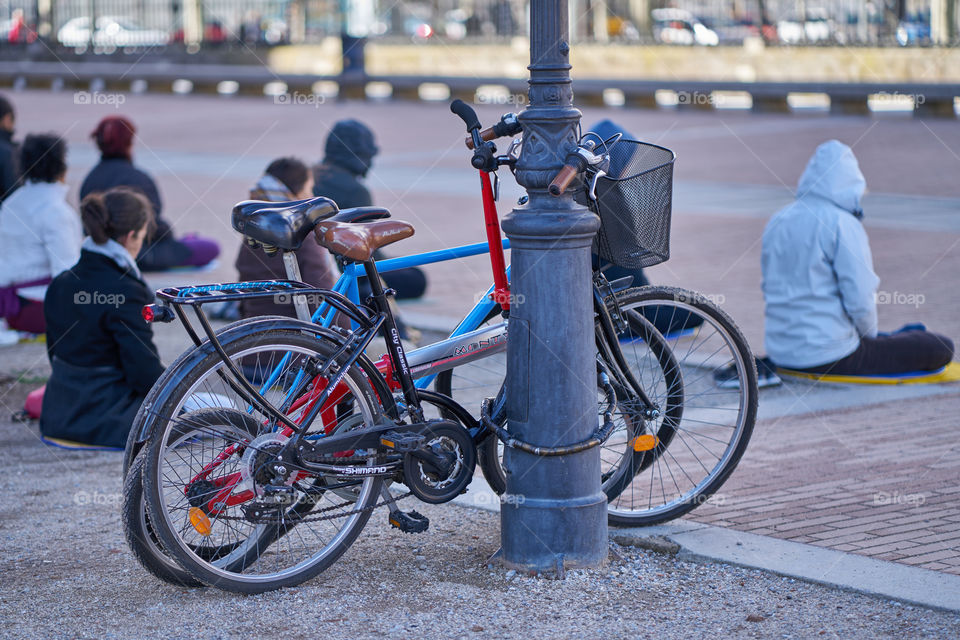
x: 697, y: 542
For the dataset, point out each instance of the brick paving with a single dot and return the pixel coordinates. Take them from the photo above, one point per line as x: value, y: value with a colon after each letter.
x: 881, y: 481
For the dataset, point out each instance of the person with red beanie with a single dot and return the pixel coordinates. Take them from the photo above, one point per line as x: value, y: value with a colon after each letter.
x: 114, y: 137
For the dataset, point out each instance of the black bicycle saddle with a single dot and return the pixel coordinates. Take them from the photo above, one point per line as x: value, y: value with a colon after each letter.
x: 285, y: 225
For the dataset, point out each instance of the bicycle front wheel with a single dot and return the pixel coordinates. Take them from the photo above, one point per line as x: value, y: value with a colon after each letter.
x: 247, y: 542
x: 674, y: 341
x: 688, y: 454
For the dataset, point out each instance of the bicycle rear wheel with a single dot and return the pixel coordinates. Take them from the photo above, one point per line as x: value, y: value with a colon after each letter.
x: 243, y: 543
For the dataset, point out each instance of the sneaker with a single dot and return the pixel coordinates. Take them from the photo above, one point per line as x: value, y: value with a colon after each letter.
x: 727, y: 378
x: 767, y: 373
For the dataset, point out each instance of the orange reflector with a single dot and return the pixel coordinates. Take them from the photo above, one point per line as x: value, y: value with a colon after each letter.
x: 200, y: 521
x: 645, y: 442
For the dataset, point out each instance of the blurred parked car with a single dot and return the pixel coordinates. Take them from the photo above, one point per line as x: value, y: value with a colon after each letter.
x: 213, y: 33
x: 16, y: 29
x: 733, y: 31
x: 913, y: 33
x: 110, y: 31
x: 676, y: 26
x: 817, y: 28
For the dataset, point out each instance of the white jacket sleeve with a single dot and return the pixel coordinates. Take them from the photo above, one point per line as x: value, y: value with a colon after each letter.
x: 62, y: 237
x: 857, y: 281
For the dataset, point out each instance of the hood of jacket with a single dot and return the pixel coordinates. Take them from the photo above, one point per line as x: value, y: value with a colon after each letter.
x: 351, y: 145
x: 833, y: 174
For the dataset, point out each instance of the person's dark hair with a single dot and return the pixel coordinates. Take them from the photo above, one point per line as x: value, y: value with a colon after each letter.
x: 112, y: 214
x: 114, y: 137
x: 292, y: 172
x: 6, y: 107
x: 43, y: 157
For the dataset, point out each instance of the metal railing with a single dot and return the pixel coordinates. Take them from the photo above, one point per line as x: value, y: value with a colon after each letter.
x: 106, y: 25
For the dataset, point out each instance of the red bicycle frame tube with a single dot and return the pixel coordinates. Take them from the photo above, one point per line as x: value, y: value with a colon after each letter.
x: 501, y: 289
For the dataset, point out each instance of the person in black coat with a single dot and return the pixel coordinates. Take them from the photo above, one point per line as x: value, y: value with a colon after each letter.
x: 9, y: 175
x: 114, y: 137
x: 348, y: 156
x: 101, y: 349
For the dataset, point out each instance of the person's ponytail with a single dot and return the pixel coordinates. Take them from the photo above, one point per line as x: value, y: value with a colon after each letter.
x: 115, y: 213
x: 96, y: 218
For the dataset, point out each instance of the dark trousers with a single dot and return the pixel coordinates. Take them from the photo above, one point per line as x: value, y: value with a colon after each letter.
x: 902, y: 352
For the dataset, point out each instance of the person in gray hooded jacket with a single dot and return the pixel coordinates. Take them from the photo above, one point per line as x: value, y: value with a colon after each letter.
x: 819, y: 285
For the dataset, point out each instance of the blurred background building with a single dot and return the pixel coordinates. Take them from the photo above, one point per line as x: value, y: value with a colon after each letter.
x: 106, y: 25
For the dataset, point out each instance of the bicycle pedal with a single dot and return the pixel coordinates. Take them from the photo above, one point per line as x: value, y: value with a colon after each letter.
x: 402, y: 442
x: 409, y: 522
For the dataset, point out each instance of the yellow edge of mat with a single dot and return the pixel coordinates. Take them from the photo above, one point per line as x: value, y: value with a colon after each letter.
x: 950, y: 373
x: 71, y: 444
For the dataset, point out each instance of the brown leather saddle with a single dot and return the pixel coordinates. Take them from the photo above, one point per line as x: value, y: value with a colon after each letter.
x: 358, y: 241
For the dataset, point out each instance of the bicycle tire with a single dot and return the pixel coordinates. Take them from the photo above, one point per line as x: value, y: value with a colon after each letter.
x: 654, y: 298
x: 140, y: 537
x: 691, y: 436
x: 234, y: 572
x: 614, y: 459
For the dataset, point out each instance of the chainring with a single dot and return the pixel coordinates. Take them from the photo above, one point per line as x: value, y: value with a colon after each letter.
x: 452, y: 442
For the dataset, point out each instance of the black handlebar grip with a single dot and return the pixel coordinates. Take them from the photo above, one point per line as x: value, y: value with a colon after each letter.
x: 466, y: 113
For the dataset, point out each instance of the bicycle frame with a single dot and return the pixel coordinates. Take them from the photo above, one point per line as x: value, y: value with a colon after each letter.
x: 427, y: 361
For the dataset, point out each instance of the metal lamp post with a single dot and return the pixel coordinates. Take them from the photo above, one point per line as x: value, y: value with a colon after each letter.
x: 553, y: 515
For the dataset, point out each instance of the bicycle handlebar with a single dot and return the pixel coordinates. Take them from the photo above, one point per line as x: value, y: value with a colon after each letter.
x: 577, y: 161
x: 508, y: 126
x: 466, y: 113
x: 563, y: 178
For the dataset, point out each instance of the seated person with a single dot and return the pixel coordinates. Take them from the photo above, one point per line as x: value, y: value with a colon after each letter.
x: 40, y: 233
x: 348, y: 156
x: 101, y: 349
x: 819, y: 285
x: 285, y: 179
x: 114, y: 138
x: 8, y: 150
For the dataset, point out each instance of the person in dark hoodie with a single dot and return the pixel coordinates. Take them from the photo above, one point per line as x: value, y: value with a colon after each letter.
x: 348, y: 156
x: 101, y: 350
x: 8, y: 150
x: 114, y: 137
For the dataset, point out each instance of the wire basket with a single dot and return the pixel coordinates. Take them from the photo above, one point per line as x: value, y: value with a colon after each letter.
x: 634, y: 202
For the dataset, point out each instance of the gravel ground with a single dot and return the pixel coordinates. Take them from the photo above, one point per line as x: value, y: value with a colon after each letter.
x: 67, y: 573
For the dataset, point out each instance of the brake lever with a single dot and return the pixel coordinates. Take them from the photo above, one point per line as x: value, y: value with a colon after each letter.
x: 592, y: 194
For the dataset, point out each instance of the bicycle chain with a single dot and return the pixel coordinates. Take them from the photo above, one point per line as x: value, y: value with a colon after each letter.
x: 296, y: 520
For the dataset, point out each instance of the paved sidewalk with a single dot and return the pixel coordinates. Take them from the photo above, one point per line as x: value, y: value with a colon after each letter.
x: 880, y: 481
